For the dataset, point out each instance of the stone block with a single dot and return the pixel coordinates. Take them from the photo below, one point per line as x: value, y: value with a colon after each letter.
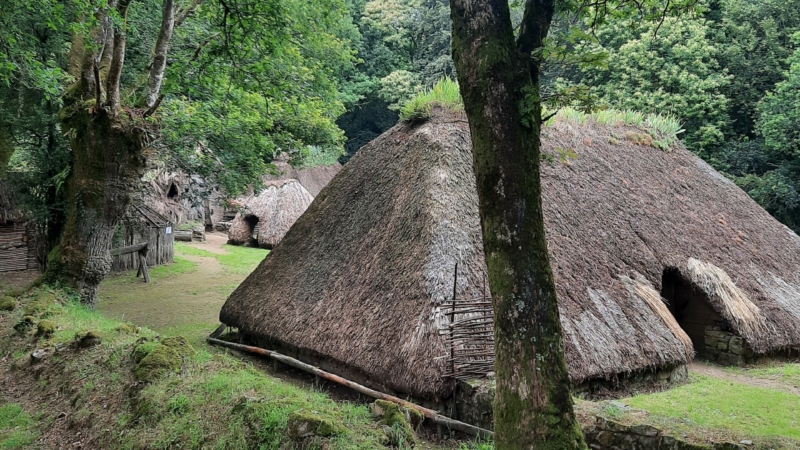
x: 736, y: 345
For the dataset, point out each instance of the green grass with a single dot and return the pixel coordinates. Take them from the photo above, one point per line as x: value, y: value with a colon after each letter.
x: 217, y: 400
x: 664, y: 128
x: 17, y: 428
x: 714, y: 403
x: 178, y: 266
x: 445, y: 93
x: 241, y: 260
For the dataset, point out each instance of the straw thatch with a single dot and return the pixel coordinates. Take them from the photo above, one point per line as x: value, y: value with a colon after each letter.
x: 360, y: 282
x: 267, y: 216
x: 312, y: 178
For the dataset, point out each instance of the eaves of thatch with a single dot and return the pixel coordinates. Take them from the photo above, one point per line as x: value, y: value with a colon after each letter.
x: 361, y: 279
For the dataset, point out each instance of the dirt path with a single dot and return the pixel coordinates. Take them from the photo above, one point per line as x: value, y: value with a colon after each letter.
x: 187, y: 299
x: 720, y: 373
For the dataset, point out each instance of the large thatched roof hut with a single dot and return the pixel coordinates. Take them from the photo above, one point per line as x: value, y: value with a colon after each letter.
x: 362, y: 283
x: 265, y: 217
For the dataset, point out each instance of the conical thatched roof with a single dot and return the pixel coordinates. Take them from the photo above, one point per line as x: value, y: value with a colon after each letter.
x: 359, y: 282
x: 273, y: 210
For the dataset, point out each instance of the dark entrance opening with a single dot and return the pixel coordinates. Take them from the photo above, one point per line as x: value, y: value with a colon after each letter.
x: 173, y: 191
x: 690, y: 307
x: 252, y: 226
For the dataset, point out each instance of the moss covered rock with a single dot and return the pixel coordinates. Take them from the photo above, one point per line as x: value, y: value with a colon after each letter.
x: 397, y: 421
x: 7, y: 304
x: 179, y: 343
x: 87, y: 339
x: 25, y: 324
x: 305, y: 423
x: 127, y: 329
x: 142, y: 349
x: 160, y: 361
x: 46, y: 328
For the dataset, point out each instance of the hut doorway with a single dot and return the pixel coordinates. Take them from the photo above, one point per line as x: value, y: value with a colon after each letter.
x: 252, y: 226
x: 690, y: 307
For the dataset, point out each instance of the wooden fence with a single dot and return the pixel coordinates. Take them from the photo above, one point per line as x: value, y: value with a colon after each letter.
x: 17, y: 248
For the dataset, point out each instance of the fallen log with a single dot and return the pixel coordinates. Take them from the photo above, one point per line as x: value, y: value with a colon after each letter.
x: 429, y: 414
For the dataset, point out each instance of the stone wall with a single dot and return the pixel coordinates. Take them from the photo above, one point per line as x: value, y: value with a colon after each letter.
x: 726, y: 348
x: 474, y: 398
x: 607, y: 434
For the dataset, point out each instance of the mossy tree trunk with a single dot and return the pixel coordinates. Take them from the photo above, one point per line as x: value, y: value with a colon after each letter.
x: 109, y: 148
x: 498, y: 80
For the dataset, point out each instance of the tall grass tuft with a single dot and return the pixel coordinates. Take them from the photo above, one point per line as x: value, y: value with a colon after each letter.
x: 444, y: 93
x: 664, y: 128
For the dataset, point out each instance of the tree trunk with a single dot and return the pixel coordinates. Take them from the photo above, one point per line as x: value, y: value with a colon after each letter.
x: 108, y: 163
x: 108, y: 150
x: 499, y: 84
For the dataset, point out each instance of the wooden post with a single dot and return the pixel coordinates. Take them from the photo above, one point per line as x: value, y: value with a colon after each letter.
x: 143, y: 264
x: 452, y: 342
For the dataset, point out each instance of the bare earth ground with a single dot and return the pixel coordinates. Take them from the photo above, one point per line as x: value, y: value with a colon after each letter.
x: 185, y: 299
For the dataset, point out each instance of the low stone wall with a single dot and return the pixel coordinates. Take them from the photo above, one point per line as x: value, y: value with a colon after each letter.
x: 607, y: 434
x: 474, y: 398
x: 726, y: 348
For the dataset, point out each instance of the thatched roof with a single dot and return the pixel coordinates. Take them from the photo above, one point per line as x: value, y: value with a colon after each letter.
x: 361, y: 278
x: 312, y: 178
x: 276, y: 207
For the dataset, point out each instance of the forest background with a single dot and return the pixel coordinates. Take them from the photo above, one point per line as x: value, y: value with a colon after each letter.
x: 322, y: 78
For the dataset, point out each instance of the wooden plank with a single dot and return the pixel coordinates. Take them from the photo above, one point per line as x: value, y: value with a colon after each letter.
x: 143, y: 265
x: 129, y: 249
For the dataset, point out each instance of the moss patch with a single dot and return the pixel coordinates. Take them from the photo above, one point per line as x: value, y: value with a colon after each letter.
x: 7, y: 304
x: 87, y: 339
x: 396, y: 420
x: 45, y: 328
x: 160, y: 361
x: 305, y: 423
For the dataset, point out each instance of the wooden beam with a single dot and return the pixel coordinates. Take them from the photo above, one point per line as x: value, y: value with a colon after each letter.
x: 429, y: 414
x: 135, y: 248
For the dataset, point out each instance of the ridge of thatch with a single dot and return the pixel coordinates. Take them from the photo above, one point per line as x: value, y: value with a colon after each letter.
x: 276, y: 207
x: 362, y: 278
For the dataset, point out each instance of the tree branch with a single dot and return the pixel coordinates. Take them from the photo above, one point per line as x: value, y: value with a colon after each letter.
x: 535, y: 25
x: 186, y: 12
x: 159, y: 64
x: 155, y: 106
x: 117, y: 60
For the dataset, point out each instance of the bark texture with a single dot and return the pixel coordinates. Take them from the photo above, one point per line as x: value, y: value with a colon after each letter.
x: 109, y: 156
x: 159, y: 65
x: 499, y: 84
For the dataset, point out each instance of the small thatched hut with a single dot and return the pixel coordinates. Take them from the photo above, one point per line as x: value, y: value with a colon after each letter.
x: 142, y: 223
x: 266, y: 217
x: 656, y: 256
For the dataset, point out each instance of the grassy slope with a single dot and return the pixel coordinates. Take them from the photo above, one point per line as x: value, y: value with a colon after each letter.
x: 216, y: 400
